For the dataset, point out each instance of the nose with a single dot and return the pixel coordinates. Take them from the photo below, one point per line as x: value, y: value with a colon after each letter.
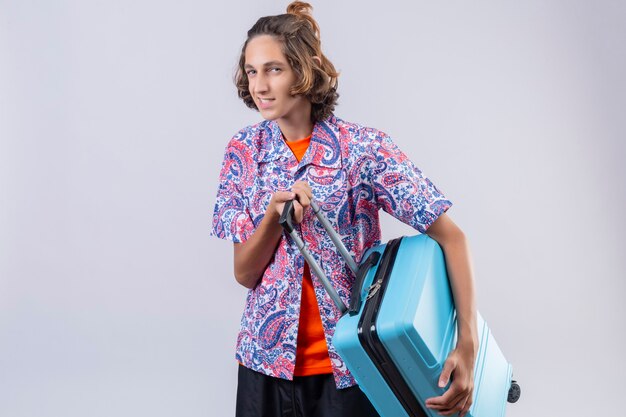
x: 261, y: 84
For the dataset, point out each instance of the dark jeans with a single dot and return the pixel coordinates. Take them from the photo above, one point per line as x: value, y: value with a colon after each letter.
x: 259, y: 395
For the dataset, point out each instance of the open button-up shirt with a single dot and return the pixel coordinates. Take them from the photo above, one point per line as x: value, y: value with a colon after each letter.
x: 353, y: 171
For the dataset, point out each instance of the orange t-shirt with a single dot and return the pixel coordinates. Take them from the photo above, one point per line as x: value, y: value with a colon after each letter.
x: 311, y: 351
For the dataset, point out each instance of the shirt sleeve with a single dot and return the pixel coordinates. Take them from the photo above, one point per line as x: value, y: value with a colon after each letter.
x: 231, y: 215
x: 402, y: 190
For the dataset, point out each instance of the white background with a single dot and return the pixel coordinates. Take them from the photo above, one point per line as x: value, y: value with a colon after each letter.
x: 114, y: 115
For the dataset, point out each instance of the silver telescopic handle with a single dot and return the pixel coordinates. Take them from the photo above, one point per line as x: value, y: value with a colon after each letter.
x: 335, y: 237
x: 318, y: 271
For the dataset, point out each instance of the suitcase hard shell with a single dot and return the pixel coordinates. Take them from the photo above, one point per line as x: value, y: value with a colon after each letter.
x: 401, y: 326
x: 413, y: 322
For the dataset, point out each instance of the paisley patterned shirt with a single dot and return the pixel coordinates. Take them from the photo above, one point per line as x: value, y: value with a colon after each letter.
x: 353, y: 172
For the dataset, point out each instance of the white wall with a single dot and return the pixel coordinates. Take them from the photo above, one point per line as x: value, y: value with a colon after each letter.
x: 113, y: 119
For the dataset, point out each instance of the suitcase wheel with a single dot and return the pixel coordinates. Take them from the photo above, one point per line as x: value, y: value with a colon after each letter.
x: 514, y: 392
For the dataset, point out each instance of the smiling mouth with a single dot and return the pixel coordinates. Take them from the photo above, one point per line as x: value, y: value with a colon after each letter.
x: 265, y: 103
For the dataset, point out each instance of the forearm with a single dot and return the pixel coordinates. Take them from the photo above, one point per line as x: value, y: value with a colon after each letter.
x: 458, y: 264
x: 252, y: 256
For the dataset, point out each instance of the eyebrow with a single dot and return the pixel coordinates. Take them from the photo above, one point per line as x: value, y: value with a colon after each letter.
x: 267, y: 64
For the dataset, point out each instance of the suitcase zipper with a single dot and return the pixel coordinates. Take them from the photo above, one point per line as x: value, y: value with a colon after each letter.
x: 373, y: 289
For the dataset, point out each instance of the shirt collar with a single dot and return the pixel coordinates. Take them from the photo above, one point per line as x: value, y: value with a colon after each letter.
x: 324, y: 149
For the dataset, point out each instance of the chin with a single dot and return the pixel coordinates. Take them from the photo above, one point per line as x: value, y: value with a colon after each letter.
x: 269, y: 115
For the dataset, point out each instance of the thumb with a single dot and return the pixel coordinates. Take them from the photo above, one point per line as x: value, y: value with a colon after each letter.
x: 446, y: 372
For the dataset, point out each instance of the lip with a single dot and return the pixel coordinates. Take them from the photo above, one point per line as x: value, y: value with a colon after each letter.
x: 265, y: 104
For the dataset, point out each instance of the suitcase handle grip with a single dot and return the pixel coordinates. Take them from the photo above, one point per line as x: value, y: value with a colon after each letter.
x: 286, y: 217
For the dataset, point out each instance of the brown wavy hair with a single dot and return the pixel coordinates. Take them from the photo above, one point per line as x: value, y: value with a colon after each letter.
x: 299, y: 35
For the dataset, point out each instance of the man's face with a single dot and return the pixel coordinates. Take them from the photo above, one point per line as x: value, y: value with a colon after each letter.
x: 270, y: 79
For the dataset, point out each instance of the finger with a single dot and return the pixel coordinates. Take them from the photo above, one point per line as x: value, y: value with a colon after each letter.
x: 447, y: 406
x: 466, y: 406
x: 283, y: 196
x: 454, y: 408
x: 442, y: 402
x: 459, y: 404
x: 448, y: 368
x: 302, y: 189
x: 302, y: 183
x: 303, y: 192
x: 458, y: 389
x: 455, y: 402
x: 302, y: 198
x: 298, y: 212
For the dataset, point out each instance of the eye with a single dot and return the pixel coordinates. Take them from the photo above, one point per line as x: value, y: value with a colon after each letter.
x: 275, y: 68
x: 249, y: 72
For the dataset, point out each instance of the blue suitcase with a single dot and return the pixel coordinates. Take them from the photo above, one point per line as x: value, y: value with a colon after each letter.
x: 400, y: 327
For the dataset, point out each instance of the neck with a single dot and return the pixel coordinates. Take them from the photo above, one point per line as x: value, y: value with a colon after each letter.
x: 297, y: 126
